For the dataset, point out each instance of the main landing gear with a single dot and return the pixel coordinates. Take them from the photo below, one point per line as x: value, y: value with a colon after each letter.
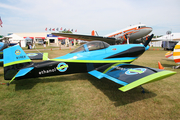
x: 143, y: 91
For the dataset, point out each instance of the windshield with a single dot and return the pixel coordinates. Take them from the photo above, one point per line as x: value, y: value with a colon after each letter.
x: 79, y: 49
x: 94, y: 45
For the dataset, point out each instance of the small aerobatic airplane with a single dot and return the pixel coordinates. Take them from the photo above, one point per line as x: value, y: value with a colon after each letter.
x: 174, y: 55
x: 133, y: 34
x: 98, y: 58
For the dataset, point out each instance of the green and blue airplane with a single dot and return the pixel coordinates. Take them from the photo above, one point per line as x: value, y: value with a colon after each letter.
x: 98, y: 58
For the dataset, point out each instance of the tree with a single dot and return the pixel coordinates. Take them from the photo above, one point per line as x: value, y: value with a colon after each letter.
x: 66, y: 31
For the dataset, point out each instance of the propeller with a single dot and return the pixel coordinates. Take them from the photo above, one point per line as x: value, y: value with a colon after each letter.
x: 149, y: 40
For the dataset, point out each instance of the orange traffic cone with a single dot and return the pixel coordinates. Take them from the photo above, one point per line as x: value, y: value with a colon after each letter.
x: 2, y: 83
x: 160, y: 66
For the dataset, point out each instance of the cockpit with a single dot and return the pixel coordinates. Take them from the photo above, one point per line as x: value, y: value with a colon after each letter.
x: 90, y: 46
x: 141, y: 26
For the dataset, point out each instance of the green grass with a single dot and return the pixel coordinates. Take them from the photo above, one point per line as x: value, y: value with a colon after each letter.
x: 81, y: 96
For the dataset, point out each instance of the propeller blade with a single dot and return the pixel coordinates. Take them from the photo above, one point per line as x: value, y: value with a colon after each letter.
x: 149, y: 40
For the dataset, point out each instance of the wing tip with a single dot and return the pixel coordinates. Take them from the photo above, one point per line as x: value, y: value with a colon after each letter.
x: 147, y: 79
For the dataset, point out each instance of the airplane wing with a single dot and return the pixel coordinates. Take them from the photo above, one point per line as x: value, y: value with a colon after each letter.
x: 128, y: 75
x: 87, y: 37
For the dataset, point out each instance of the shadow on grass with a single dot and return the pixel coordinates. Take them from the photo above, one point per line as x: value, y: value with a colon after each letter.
x: 109, y: 88
x: 168, y: 65
x: 1, y: 64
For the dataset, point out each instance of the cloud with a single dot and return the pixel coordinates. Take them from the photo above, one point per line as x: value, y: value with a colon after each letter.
x: 101, y: 15
x: 9, y: 7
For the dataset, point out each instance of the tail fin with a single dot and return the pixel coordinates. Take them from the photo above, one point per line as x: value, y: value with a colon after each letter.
x: 94, y: 33
x: 176, y: 54
x: 14, y: 60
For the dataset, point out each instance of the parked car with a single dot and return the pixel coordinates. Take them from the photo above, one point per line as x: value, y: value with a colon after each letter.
x: 40, y: 42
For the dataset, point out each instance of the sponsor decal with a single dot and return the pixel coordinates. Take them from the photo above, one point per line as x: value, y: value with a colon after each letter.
x: 62, y: 67
x: 119, y: 68
x: 47, y: 71
x: 32, y: 54
x: 21, y: 57
x: 17, y: 52
x: 135, y: 71
x: 114, y: 49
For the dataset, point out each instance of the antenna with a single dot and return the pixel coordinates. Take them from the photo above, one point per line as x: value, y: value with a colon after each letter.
x: 169, y: 34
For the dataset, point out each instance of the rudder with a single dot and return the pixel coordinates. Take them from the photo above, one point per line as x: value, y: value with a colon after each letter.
x: 14, y: 60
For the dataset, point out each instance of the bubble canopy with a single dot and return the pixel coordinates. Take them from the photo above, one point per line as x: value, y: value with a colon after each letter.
x: 90, y: 46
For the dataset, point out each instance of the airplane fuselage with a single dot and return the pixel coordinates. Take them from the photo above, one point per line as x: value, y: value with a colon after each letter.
x: 83, y: 59
x: 133, y: 32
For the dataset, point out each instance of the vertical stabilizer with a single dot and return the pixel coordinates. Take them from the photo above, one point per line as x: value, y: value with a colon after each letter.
x: 176, y: 53
x: 14, y: 60
x: 93, y: 33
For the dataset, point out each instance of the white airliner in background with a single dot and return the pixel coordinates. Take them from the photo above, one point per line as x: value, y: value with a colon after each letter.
x: 133, y: 33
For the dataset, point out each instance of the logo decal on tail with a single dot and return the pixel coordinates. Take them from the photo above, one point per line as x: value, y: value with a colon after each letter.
x: 17, y: 52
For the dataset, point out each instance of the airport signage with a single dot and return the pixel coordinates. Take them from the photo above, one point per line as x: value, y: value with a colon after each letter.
x: 51, y: 35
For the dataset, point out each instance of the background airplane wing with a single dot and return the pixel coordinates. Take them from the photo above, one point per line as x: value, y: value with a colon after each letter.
x: 87, y: 37
x: 130, y: 76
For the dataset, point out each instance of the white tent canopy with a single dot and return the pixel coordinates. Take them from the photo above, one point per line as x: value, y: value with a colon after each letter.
x: 17, y: 39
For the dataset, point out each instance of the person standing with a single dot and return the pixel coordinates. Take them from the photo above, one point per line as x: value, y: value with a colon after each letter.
x: 44, y: 43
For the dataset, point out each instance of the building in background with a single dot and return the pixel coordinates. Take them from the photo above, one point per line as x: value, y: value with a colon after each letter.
x: 21, y: 38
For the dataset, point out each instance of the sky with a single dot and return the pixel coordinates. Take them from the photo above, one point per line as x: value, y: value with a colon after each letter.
x: 103, y: 16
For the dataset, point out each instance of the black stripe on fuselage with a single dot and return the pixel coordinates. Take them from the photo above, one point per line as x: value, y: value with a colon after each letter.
x: 49, y: 68
x: 132, y: 52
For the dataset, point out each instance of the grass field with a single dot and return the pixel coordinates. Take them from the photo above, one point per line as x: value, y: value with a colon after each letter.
x: 82, y: 96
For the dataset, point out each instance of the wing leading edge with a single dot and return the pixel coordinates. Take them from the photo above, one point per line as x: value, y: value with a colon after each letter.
x: 130, y: 76
x: 109, y: 40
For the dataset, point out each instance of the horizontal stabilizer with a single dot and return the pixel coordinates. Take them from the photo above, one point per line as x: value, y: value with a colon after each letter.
x: 38, y: 56
x: 24, y: 71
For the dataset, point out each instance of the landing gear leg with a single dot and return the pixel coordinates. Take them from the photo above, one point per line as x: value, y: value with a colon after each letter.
x: 142, y: 90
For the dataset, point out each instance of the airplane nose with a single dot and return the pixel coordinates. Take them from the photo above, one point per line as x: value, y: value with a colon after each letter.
x: 147, y: 30
x: 150, y: 29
